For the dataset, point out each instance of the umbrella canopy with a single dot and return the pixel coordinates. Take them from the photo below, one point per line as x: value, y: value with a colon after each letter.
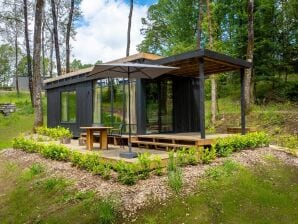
x: 133, y: 70
x: 129, y: 70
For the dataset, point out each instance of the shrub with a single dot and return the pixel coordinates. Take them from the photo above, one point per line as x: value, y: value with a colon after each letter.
x: 77, y: 159
x: 181, y: 157
x: 157, y: 165
x: 192, y: 156
x: 144, y: 163
x: 56, y: 152
x: 127, y: 173
x: 55, y: 133
x: 225, y: 146
x: 207, y: 155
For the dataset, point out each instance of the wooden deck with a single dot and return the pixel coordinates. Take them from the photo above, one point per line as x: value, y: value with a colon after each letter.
x: 170, y: 141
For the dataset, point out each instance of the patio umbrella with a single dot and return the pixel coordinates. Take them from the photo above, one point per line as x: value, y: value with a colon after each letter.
x: 129, y: 70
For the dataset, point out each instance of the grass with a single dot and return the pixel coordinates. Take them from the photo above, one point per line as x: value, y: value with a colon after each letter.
x: 28, y: 195
x: 18, y: 122
x: 267, y: 193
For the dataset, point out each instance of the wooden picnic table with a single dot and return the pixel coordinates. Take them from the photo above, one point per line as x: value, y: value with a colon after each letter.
x: 103, y: 136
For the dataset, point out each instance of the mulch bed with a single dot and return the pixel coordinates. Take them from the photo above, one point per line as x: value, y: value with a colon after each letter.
x: 133, y: 198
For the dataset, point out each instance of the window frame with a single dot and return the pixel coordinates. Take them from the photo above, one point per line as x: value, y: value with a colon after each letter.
x: 61, y: 107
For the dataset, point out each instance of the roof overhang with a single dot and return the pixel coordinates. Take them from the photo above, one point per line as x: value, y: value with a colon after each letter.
x: 214, y: 62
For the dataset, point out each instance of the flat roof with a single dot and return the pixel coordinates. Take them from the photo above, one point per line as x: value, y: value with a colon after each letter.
x: 188, y: 64
x: 214, y: 62
x: 130, y: 58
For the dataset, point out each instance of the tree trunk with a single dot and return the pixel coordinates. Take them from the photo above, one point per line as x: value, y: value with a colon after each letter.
x: 199, y: 24
x: 16, y: 63
x: 42, y: 48
x: 51, y: 55
x: 56, y: 39
x: 16, y: 49
x: 68, y: 30
x: 213, y: 80
x: 38, y: 116
x: 249, y: 57
x: 129, y: 28
x: 29, y: 63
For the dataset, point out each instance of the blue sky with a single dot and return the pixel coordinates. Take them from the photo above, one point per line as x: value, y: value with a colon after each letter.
x: 144, y: 2
x: 101, y: 34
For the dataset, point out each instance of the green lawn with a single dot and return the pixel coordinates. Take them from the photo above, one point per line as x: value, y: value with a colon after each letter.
x: 28, y: 195
x: 18, y: 122
x: 233, y: 194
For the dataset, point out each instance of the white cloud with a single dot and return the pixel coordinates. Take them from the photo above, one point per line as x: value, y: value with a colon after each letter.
x: 103, y: 35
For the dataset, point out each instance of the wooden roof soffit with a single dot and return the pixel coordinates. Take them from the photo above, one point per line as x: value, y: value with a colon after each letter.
x: 214, y: 62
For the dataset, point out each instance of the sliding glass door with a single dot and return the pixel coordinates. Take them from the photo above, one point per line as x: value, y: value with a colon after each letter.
x: 110, y: 103
x: 159, y: 106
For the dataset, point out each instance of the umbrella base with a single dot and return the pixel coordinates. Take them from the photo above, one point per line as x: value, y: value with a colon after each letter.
x: 128, y: 155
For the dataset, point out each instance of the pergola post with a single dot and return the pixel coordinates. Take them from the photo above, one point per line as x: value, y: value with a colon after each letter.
x: 202, y: 98
x: 242, y: 102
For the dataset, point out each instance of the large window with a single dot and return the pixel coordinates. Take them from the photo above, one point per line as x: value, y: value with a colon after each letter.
x: 68, y: 106
x: 159, y: 106
x: 110, y: 102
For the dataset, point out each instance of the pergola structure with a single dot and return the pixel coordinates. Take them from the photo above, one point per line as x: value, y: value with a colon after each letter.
x: 201, y: 63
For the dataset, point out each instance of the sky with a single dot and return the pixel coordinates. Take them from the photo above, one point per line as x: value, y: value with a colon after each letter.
x: 102, y: 32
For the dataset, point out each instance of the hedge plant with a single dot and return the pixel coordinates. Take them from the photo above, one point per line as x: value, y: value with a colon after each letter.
x: 55, y: 133
x: 225, y: 146
x: 130, y: 173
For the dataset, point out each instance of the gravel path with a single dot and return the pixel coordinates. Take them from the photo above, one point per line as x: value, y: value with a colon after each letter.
x: 155, y: 188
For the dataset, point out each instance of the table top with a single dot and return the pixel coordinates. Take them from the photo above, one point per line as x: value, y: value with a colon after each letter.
x: 96, y: 128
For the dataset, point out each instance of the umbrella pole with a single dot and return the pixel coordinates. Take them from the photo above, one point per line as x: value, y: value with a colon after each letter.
x: 129, y: 118
x: 129, y: 154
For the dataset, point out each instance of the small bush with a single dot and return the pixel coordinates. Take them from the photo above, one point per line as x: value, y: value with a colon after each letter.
x: 181, y: 157
x: 55, y: 133
x: 207, y: 155
x: 144, y: 163
x: 56, y: 152
x: 103, y: 170
x: 127, y: 173
x: 225, y: 146
x: 157, y: 166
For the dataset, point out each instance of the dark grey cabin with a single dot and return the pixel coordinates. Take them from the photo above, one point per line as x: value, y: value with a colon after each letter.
x: 172, y: 103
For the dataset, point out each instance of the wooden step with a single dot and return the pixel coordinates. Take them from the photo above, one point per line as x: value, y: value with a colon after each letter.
x: 161, y: 144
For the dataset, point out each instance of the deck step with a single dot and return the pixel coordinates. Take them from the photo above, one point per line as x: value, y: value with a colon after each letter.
x: 162, y: 144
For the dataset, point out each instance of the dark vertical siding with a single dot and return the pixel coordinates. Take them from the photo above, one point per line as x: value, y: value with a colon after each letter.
x: 53, y: 107
x: 84, y: 106
x: 185, y: 105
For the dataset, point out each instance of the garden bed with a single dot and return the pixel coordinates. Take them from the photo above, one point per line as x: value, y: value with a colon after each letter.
x: 143, y: 192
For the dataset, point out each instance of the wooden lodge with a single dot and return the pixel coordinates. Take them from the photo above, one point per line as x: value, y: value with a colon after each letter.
x: 160, y: 108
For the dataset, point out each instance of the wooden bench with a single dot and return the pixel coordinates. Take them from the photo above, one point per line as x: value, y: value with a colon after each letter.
x: 7, y: 108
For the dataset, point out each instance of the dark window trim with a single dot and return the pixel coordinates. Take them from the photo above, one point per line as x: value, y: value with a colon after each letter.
x: 68, y: 122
